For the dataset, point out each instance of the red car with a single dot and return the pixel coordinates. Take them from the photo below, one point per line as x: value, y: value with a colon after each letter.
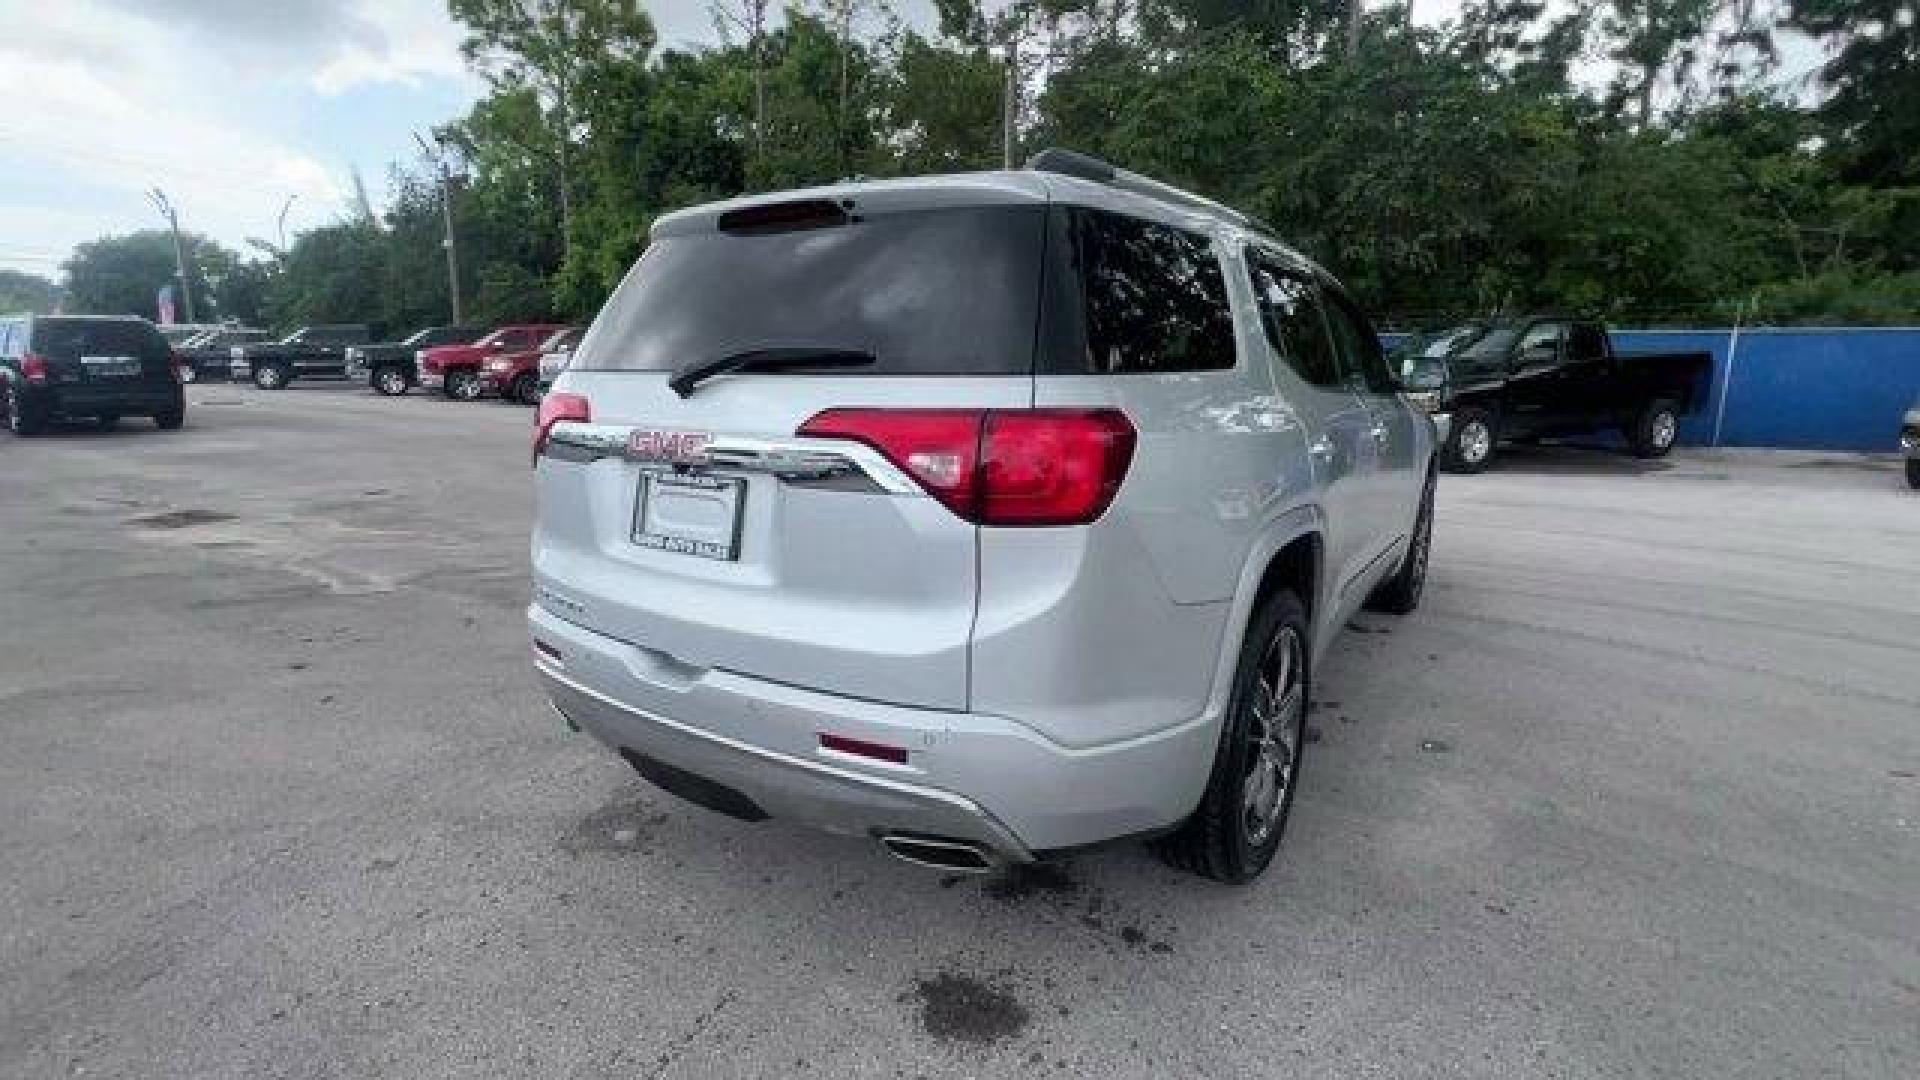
x: 457, y: 369
x: 516, y: 376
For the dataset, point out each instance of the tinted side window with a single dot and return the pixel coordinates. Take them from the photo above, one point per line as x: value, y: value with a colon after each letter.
x: 1358, y: 345
x: 1290, y: 312
x: 1540, y: 344
x: 1155, y: 297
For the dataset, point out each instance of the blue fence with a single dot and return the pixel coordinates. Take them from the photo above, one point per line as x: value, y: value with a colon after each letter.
x: 1809, y: 389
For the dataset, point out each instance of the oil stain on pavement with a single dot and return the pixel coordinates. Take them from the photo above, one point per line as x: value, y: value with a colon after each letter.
x: 960, y: 1008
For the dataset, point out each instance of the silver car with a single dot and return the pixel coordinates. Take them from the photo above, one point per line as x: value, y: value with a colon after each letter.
x: 989, y: 516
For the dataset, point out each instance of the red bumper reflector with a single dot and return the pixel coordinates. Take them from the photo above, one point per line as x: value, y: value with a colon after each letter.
x: 862, y: 748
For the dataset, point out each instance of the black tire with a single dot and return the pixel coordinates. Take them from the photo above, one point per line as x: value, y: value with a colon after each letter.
x: 1656, y: 429
x: 525, y: 390
x: 1224, y: 839
x: 1400, y: 594
x: 463, y: 384
x: 389, y: 381
x: 23, y: 422
x: 1471, y: 441
x: 1913, y: 473
x: 271, y: 376
x: 171, y: 420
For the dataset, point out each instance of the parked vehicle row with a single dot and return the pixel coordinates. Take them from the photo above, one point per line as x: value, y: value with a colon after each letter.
x: 503, y: 362
x: 392, y: 367
x: 465, y: 363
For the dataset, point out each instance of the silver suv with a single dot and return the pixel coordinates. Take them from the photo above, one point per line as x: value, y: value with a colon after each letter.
x: 990, y: 516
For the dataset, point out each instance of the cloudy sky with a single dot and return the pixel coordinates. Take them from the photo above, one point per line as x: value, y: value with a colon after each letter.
x: 234, y: 106
x: 229, y: 106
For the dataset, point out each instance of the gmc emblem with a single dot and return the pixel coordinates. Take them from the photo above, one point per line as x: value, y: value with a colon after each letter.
x: 671, y: 447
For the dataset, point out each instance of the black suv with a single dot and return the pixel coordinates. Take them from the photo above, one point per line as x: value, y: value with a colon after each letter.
x: 94, y: 367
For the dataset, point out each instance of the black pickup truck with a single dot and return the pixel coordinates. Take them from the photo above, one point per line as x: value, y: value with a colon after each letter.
x: 209, y: 354
x: 309, y: 352
x: 389, y: 367
x: 1545, y: 376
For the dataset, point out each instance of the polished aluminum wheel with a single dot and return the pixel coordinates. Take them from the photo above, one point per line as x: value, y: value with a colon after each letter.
x: 1666, y: 427
x: 1476, y: 442
x: 1278, y: 708
x: 391, y: 382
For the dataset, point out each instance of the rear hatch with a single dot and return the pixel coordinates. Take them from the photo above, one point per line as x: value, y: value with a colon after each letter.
x: 813, y: 562
x: 102, y: 353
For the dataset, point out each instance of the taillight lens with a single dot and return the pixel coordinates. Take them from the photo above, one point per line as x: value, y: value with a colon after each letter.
x: 178, y: 363
x: 33, y: 368
x: 555, y: 408
x: 1052, y: 468
x: 939, y: 448
x: 1013, y: 468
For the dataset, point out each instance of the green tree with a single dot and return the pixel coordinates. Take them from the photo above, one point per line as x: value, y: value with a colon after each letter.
x: 545, y: 46
x: 21, y: 291
x: 123, y: 275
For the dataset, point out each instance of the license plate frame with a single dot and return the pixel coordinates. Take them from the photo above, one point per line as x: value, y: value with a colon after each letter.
x: 718, y: 544
x: 111, y: 367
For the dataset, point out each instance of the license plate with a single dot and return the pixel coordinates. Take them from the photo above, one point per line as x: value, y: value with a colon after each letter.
x: 689, y: 514
x: 111, y: 367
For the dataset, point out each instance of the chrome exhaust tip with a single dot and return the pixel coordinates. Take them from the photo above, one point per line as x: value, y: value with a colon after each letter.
x: 937, y: 854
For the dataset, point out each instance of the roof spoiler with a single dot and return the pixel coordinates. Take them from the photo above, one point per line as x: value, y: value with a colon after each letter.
x: 1087, y: 167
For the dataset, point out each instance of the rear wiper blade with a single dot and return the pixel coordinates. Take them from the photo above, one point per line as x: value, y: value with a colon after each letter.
x: 688, y: 376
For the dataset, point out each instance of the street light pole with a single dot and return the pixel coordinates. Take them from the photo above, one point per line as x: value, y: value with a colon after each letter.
x: 446, y: 219
x: 284, y: 207
x: 179, y: 252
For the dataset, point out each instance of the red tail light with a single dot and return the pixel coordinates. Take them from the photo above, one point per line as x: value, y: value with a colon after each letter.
x: 554, y: 408
x: 33, y: 368
x: 178, y: 363
x: 1019, y: 468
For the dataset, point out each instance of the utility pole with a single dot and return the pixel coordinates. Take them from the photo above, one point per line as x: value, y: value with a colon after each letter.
x: 446, y: 218
x: 1354, y: 12
x: 1010, y: 109
x: 179, y: 253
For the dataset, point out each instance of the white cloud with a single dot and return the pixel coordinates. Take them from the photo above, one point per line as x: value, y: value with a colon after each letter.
x: 206, y: 99
x: 408, y: 42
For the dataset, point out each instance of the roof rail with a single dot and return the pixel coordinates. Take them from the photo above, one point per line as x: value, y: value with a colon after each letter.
x: 1054, y: 159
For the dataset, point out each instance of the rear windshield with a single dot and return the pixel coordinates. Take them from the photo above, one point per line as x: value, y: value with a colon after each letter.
x: 943, y: 291
x: 68, y: 338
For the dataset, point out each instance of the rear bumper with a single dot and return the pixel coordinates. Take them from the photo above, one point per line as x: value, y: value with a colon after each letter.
x: 71, y: 400
x: 987, y: 780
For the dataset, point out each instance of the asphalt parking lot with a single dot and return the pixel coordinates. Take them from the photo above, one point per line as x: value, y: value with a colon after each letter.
x: 1637, y: 792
